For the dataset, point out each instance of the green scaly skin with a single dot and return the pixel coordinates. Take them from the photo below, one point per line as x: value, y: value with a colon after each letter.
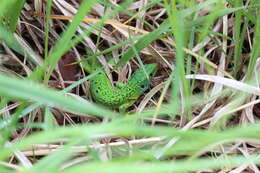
x: 124, y: 95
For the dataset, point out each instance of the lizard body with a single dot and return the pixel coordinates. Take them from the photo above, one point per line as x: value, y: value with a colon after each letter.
x: 124, y: 95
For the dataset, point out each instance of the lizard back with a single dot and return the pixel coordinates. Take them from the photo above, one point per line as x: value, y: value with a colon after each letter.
x: 103, y: 92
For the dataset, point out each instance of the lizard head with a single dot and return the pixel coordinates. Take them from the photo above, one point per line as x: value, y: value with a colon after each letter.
x: 142, y: 76
x: 150, y: 69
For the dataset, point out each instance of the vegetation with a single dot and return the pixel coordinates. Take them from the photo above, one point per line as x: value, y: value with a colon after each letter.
x: 201, y: 113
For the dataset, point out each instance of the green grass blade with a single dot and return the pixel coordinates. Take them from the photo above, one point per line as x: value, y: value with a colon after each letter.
x: 25, y: 89
x: 10, y: 13
x: 11, y: 41
x: 237, y: 37
x: 63, y: 43
x: 255, y: 52
x: 143, y: 43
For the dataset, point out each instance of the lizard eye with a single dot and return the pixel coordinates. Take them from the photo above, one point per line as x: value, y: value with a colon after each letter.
x: 144, y: 87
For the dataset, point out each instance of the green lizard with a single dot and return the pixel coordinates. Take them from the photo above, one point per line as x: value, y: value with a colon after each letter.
x: 123, y: 95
